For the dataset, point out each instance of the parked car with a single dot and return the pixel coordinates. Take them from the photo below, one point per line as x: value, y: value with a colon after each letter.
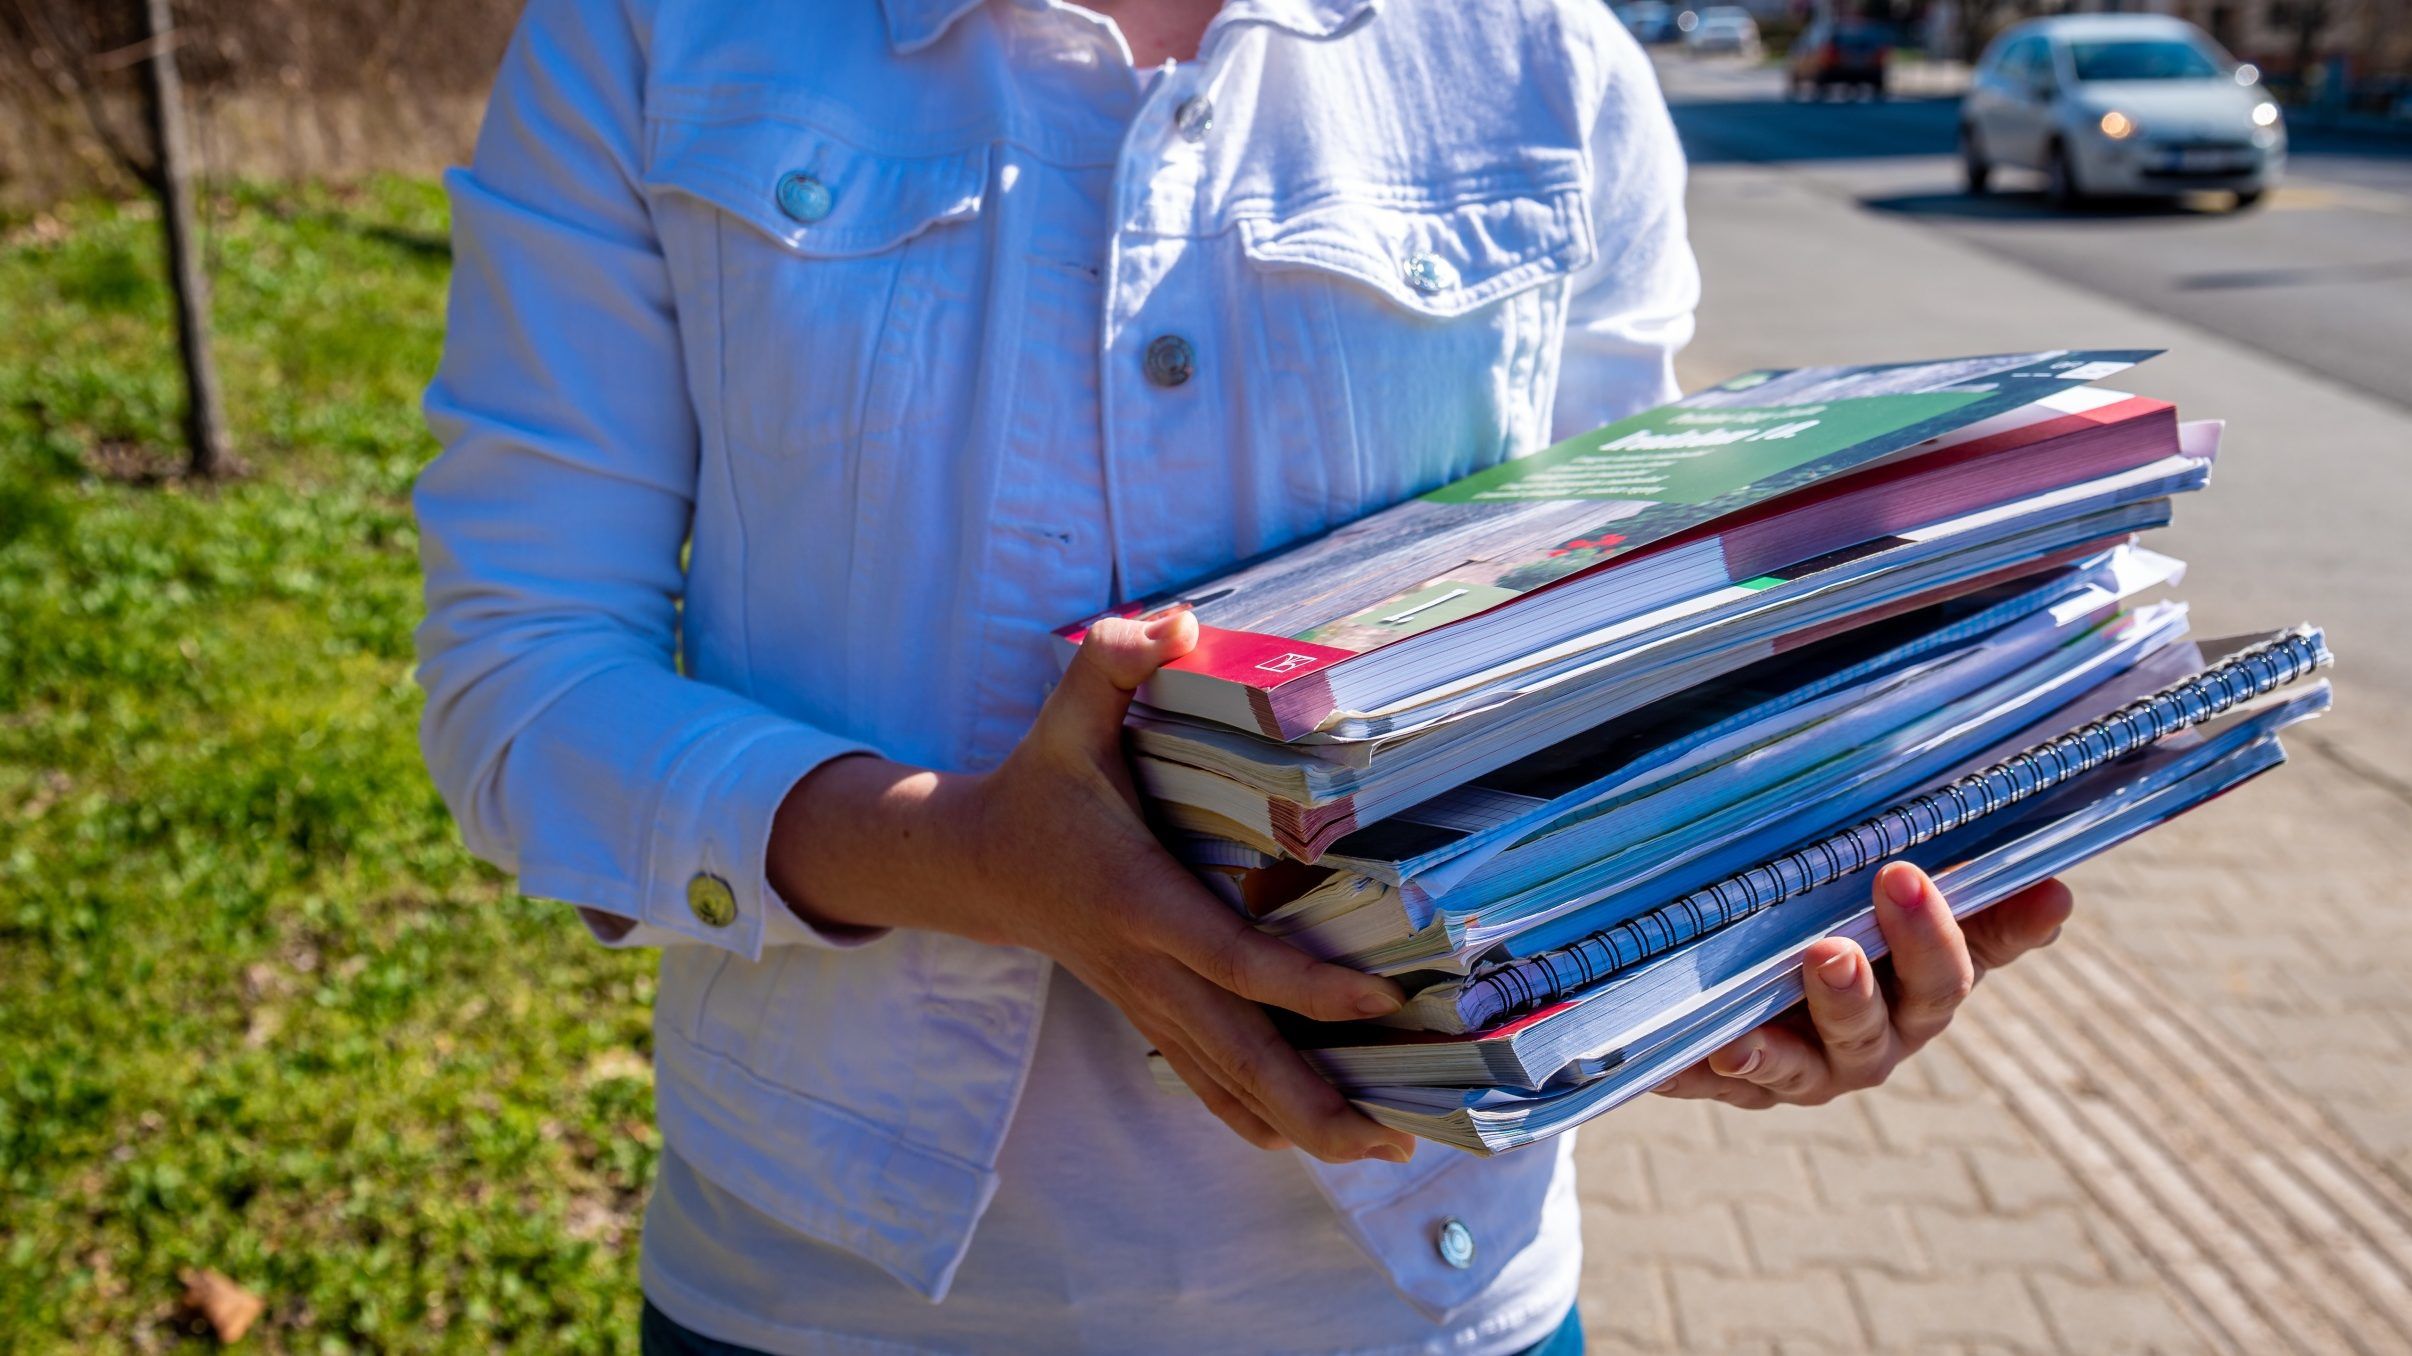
x: 2120, y: 104
x: 1845, y: 54
x: 1650, y: 21
x: 1724, y: 28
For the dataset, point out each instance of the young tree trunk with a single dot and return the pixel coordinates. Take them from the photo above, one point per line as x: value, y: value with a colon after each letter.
x: 188, y: 281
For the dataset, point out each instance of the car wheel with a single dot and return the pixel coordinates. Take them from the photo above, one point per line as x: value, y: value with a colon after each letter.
x: 2060, y: 177
x: 2247, y: 197
x: 1972, y: 162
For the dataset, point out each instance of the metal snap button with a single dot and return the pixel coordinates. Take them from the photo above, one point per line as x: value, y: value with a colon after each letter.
x: 711, y: 900
x: 1170, y: 360
x: 1194, y: 118
x: 1428, y: 273
x: 803, y: 197
x: 1456, y: 1244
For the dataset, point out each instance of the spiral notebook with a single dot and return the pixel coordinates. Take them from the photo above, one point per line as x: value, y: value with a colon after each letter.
x: 1490, y: 996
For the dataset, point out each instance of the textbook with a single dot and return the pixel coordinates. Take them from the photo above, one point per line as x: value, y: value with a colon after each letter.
x: 1541, y: 549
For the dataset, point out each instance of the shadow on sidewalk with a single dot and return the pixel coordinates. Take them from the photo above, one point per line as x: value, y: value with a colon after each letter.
x: 2035, y: 208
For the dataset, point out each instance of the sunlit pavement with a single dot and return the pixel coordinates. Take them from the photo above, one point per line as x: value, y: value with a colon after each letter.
x: 2188, y: 1127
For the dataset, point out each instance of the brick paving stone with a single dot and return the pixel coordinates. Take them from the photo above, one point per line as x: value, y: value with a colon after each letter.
x: 2382, y: 1129
x: 1701, y: 1235
x: 1941, y: 1071
x: 2110, y: 1318
x: 2015, y: 1182
x: 1934, y: 1178
x: 2122, y: 1260
x: 2367, y: 1033
x: 1962, y: 1241
x: 1625, y: 1302
x: 1841, y: 1124
x: 1784, y: 1239
x: 1613, y: 1175
x: 2337, y: 1076
x: 1987, y: 1308
x: 1716, y: 1312
x: 1646, y: 1120
x: 1686, y: 1175
x: 1925, y: 1125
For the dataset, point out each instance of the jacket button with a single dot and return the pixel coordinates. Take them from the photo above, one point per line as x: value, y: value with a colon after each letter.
x: 1194, y: 118
x: 1170, y: 360
x: 711, y: 900
x: 1428, y: 273
x: 803, y: 197
x: 1456, y: 1244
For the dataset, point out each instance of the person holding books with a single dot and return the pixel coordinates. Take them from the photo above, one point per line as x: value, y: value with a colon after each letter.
x: 808, y: 364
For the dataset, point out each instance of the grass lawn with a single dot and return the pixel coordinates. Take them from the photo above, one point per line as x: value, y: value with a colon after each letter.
x: 259, y: 1012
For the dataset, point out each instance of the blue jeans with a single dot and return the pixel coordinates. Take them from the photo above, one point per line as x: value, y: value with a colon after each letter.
x: 660, y: 1335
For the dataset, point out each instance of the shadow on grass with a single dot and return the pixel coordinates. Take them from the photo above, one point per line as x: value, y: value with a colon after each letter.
x: 417, y: 244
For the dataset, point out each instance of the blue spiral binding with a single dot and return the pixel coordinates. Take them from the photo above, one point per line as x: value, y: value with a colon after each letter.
x: 1520, y: 986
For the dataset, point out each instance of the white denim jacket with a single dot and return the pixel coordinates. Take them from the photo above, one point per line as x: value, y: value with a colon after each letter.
x: 798, y: 383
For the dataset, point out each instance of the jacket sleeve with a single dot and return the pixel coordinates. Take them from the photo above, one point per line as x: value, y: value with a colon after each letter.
x: 1631, y: 309
x: 569, y: 746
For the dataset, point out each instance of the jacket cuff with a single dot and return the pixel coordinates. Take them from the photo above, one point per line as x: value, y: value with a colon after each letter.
x: 703, y: 878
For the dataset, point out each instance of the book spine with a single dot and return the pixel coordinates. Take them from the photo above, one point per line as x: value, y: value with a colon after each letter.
x: 1555, y: 974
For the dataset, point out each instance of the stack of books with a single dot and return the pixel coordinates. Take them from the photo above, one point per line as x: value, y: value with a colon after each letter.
x: 1587, y: 748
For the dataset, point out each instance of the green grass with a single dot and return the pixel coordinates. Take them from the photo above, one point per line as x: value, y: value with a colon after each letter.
x: 258, y: 1010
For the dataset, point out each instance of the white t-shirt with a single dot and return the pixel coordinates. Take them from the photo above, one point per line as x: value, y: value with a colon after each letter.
x: 1128, y: 1219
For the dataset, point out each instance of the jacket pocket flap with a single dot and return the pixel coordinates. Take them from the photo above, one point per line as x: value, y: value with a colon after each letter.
x: 1440, y: 261
x: 808, y: 189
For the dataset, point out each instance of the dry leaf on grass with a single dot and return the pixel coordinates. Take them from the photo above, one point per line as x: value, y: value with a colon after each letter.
x: 229, y: 1309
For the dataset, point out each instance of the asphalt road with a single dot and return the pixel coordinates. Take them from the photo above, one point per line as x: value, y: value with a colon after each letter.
x: 2320, y: 275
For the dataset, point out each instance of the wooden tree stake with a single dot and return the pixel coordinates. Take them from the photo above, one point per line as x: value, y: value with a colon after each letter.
x: 188, y: 280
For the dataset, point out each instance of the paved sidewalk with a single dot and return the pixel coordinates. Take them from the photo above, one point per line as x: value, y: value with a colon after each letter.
x: 2186, y: 1128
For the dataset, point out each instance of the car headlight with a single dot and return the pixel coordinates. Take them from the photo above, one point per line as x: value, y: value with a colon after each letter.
x: 2117, y: 125
x: 2265, y: 114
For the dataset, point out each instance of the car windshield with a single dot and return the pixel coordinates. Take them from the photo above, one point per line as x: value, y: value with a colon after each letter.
x: 2142, y: 59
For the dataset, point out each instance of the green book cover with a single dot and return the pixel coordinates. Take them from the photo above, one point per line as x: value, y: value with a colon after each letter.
x: 1530, y: 522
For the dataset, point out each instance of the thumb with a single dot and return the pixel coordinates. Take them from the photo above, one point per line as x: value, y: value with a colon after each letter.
x: 1117, y: 655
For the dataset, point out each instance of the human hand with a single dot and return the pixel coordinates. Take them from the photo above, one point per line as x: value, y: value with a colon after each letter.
x: 1051, y: 852
x: 1851, y: 1033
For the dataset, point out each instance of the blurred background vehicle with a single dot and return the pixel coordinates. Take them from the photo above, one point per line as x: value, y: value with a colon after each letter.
x: 1651, y: 21
x: 1724, y: 28
x: 1839, y: 54
x: 2120, y: 104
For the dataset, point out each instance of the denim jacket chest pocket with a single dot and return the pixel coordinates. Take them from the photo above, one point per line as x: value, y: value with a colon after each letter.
x: 1430, y: 326
x: 812, y: 266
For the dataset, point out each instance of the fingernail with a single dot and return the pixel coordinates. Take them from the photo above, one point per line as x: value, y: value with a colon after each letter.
x: 1162, y: 624
x: 1668, y: 1086
x: 1904, y: 886
x: 2050, y: 937
x: 1377, y: 1005
x: 1840, y: 972
x: 1390, y: 1153
x: 1757, y: 1054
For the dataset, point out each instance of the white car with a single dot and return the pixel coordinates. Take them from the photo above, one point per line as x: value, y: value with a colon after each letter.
x: 2120, y: 104
x: 1724, y: 28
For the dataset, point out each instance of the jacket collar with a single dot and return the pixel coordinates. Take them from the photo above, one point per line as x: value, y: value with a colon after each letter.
x: 915, y: 24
